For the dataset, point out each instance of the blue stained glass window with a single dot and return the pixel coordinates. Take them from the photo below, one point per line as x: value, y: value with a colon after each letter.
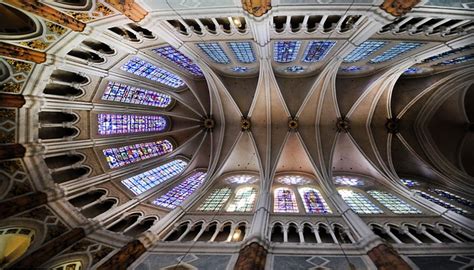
x: 151, y: 178
x: 348, y: 180
x: 284, y: 201
x: 215, y: 52
x: 243, y: 51
x: 411, y: 70
x: 147, y: 70
x: 176, y: 196
x: 409, y: 183
x: 129, y: 94
x: 453, y: 197
x: 441, y: 203
x: 313, y: 201
x: 177, y: 57
x: 129, y: 123
x: 451, y: 52
x: 351, y: 69
x: 395, y: 51
x: 363, y: 50
x: 294, y: 69
x: 240, y: 69
x: 317, y: 50
x: 117, y: 157
x: 457, y: 60
x: 286, y: 51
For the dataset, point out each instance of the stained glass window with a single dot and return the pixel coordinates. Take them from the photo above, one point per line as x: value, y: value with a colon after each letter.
x: 412, y: 70
x: 130, y: 123
x: 151, y: 178
x: 177, y: 57
x: 395, y: 51
x: 117, y: 157
x: 243, y: 51
x: 244, y: 200
x: 351, y: 69
x: 448, y: 53
x: 453, y: 197
x: 363, y: 50
x: 293, y: 180
x: 317, y: 50
x: 215, y: 200
x: 358, y: 202
x: 241, y: 179
x: 393, y: 203
x: 284, y: 201
x: 214, y: 51
x: 147, y: 70
x: 457, y: 60
x: 313, y: 201
x: 129, y: 94
x: 286, y: 51
x: 239, y: 69
x: 409, y: 183
x: 348, y: 181
x: 176, y: 196
x: 441, y: 203
x: 294, y: 69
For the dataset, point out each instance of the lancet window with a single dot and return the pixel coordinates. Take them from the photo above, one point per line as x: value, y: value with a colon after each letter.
x: 176, y: 196
x: 118, y: 157
x: 147, y: 70
x: 109, y: 124
x: 120, y: 92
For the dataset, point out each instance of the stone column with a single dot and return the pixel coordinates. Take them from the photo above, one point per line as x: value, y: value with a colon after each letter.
x: 22, y: 203
x: 50, y: 249
x: 386, y: 258
x: 252, y: 257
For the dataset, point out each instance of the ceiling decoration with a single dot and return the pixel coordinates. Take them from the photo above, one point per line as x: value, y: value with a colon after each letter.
x: 179, y: 111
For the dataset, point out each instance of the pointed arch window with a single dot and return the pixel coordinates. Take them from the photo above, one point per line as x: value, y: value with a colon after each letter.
x: 293, y: 180
x: 457, y: 60
x: 241, y: 179
x: 177, y: 57
x: 284, y: 201
x: 317, y: 50
x: 364, y: 50
x: 243, y: 51
x: 286, y: 51
x: 214, y: 51
x: 409, y: 182
x: 176, y: 196
x: 118, y: 157
x: 120, y: 92
x: 215, y: 200
x: 244, y: 200
x: 313, y: 201
x: 109, y: 124
x: 348, y: 181
x: 147, y: 70
x: 448, y: 53
x: 393, y: 52
x: 151, y: 178
x: 453, y: 197
x: 358, y: 202
x: 393, y: 203
x: 441, y: 202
